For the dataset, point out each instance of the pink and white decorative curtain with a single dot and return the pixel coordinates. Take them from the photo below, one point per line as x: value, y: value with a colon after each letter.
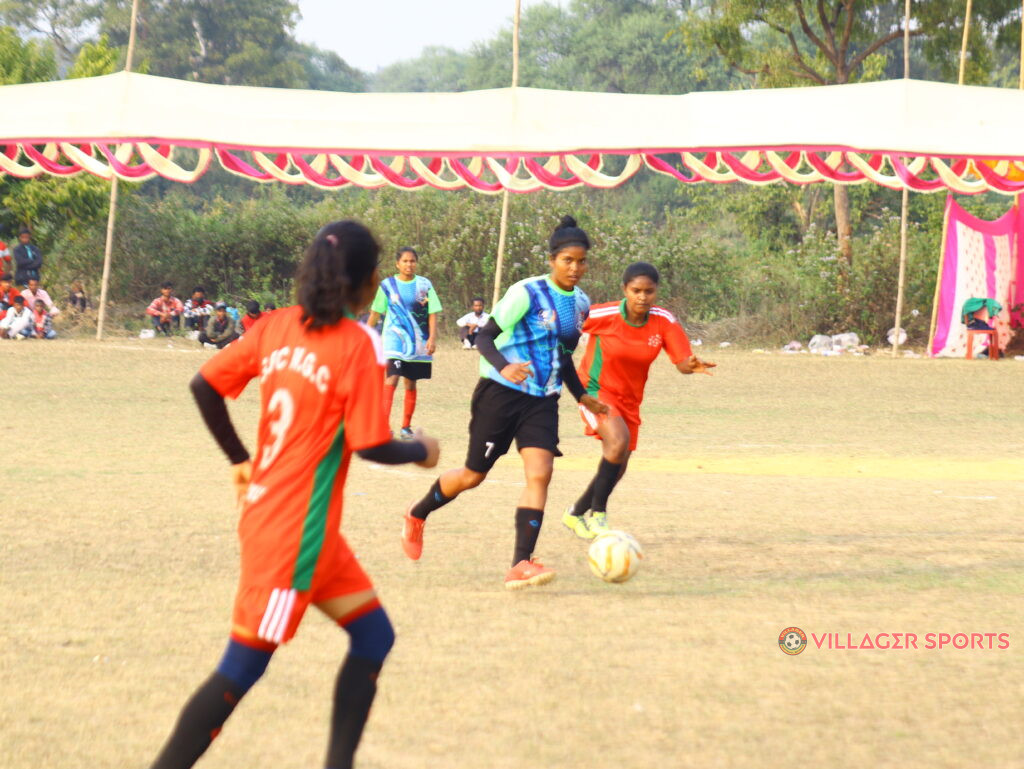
x: 922, y: 136
x: 980, y: 259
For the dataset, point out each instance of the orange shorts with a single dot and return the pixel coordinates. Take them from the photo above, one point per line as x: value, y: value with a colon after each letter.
x: 270, y: 615
x: 592, y: 421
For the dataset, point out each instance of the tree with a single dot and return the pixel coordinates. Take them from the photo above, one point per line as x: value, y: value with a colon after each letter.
x: 789, y: 42
x: 25, y: 61
x: 65, y: 22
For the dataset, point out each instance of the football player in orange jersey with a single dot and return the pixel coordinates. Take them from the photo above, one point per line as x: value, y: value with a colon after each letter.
x: 625, y: 338
x: 320, y: 374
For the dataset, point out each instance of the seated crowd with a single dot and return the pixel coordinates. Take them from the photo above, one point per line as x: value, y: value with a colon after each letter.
x: 212, y: 324
x: 27, y: 313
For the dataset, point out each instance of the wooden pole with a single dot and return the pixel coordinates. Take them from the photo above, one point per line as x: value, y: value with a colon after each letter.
x: 1020, y: 82
x: 506, y: 195
x: 905, y: 202
x: 112, y: 211
x: 963, y: 44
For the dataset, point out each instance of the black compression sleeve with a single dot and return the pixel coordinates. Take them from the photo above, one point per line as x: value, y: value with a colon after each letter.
x: 569, y: 376
x: 215, y: 414
x: 485, y: 344
x: 395, y: 452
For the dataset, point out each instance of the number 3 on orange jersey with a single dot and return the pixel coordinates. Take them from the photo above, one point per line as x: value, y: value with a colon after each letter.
x: 282, y: 403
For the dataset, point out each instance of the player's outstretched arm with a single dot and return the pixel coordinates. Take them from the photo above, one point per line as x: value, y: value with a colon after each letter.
x: 694, y: 365
x: 424, y: 451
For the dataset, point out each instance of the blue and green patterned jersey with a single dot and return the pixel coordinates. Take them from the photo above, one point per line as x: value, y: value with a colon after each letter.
x: 406, y: 305
x: 537, y: 320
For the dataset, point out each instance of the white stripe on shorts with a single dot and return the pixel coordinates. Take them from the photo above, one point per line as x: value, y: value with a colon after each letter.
x: 284, y: 619
x: 271, y: 605
x: 589, y: 417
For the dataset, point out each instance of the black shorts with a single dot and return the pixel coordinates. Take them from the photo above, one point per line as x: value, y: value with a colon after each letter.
x: 500, y: 414
x: 410, y: 369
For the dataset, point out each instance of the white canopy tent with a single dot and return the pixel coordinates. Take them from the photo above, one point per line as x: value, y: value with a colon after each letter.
x: 900, y: 133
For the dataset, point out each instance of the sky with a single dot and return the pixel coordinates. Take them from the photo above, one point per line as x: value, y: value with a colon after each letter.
x: 370, y: 34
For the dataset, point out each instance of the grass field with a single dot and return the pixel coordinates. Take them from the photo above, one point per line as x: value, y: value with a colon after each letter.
x: 858, y: 495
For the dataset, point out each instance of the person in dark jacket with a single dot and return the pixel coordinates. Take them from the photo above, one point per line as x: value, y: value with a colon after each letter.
x: 28, y: 259
x: 220, y: 329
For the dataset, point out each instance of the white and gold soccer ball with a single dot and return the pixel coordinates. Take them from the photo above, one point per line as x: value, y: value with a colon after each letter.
x: 615, y: 556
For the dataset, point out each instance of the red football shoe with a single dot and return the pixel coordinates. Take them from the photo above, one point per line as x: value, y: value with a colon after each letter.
x: 412, y: 536
x: 528, y: 573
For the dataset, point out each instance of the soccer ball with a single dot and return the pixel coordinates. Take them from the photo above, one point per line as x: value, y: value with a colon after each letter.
x: 793, y: 641
x: 615, y: 556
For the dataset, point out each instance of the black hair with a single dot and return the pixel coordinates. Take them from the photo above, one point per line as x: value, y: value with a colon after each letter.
x: 24, y: 231
x: 477, y: 299
x: 200, y: 289
x: 567, y: 234
x: 640, y: 270
x: 167, y: 284
x: 19, y: 296
x: 406, y: 250
x: 252, y: 307
x: 338, y: 263
x: 270, y: 306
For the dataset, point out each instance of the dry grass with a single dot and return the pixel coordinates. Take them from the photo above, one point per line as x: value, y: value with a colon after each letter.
x: 839, y: 495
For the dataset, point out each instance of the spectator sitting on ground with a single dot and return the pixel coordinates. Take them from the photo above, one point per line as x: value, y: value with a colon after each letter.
x: 197, y: 310
x: 35, y: 294
x: 7, y: 294
x: 28, y: 259
x: 471, y: 323
x: 41, y: 326
x: 17, y: 319
x: 220, y: 331
x: 165, y: 311
x: 270, y: 307
x: 252, y: 314
x: 77, y: 300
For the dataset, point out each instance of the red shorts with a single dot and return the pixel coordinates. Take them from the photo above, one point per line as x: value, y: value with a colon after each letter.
x: 591, y: 421
x: 271, y: 615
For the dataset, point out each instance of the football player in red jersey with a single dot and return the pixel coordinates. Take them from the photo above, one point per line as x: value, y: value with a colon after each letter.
x: 625, y: 338
x: 320, y: 374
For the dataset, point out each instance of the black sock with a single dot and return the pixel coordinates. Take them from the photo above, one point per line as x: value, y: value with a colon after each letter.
x: 528, y: 523
x: 434, y: 499
x: 583, y: 503
x: 605, y: 480
x: 200, y: 721
x: 353, y: 694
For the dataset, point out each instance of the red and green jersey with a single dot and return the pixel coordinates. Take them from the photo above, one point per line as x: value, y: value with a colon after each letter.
x: 320, y: 400
x: 619, y: 354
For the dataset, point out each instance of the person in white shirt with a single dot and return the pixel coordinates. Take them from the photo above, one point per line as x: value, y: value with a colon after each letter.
x: 470, y: 323
x: 17, y: 319
x: 33, y: 294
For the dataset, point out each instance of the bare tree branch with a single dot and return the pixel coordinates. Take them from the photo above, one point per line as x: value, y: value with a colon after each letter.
x: 894, y: 35
x: 830, y: 54
x: 828, y: 28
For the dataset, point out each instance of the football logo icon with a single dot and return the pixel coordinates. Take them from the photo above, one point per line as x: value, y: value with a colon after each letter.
x: 792, y: 640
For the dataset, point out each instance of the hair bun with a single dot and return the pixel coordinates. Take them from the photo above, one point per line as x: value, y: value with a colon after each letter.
x: 567, y: 221
x: 567, y: 234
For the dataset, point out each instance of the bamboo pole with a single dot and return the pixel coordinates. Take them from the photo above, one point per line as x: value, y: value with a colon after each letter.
x: 112, y: 211
x: 506, y: 195
x: 963, y: 44
x: 905, y: 201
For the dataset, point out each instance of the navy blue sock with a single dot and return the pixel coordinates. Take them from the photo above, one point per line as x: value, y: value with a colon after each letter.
x: 210, y: 706
x: 372, y: 638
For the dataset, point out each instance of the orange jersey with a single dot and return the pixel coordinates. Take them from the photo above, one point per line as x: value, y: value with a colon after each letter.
x: 619, y: 355
x: 320, y: 400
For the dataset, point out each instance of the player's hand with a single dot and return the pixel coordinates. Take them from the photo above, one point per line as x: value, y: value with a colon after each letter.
x: 517, y: 373
x: 240, y: 477
x: 593, y: 405
x: 694, y: 365
x: 433, y: 449
x: 431, y: 345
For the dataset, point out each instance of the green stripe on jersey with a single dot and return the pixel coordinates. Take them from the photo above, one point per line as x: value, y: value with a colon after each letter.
x: 594, y: 375
x: 315, y: 525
